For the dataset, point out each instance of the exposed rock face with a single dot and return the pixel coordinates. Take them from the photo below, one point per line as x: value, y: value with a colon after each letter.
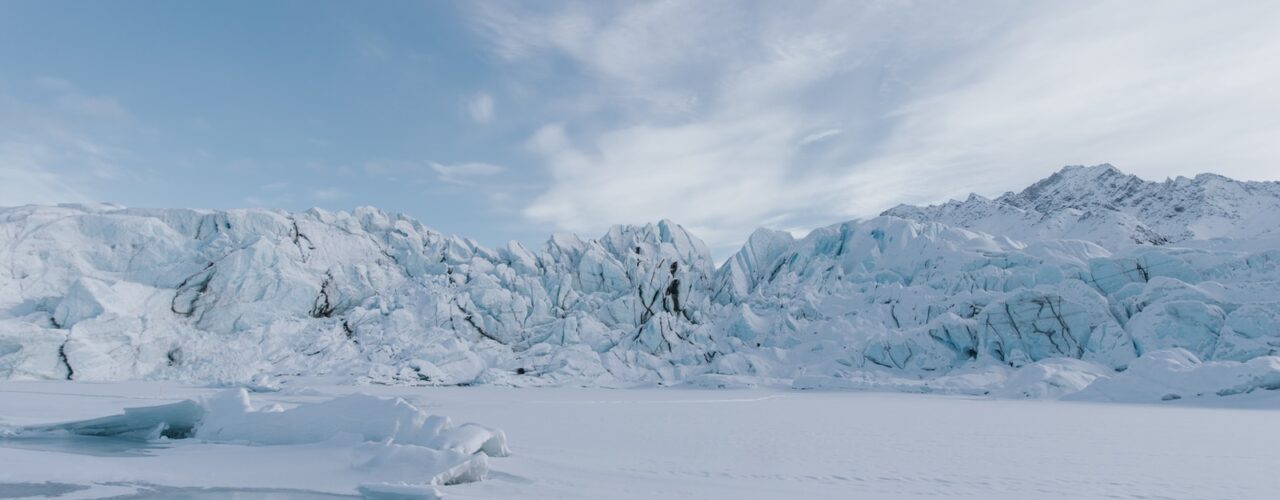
x: 1088, y: 264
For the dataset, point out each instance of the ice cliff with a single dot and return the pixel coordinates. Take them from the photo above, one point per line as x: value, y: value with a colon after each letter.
x: 1089, y: 264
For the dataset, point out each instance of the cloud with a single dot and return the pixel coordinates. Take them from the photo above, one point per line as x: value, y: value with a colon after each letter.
x: 480, y: 107
x: 385, y: 167
x: 931, y: 101
x: 51, y: 153
x: 26, y: 176
x: 717, y: 176
x: 279, y: 195
x: 71, y: 101
x: 91, y: 106
x: 53, y: 83
x: 1158, y: 92
x: 372, y: 47
x: 327, y: 194
x: 465, y: 173
x: 820, y: 135
x: 724, y: 138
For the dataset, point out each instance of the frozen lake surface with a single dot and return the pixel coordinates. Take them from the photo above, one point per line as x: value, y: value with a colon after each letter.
x: 577, y: 443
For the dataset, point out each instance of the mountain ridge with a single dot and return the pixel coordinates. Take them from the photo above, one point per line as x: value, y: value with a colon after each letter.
x: 1075, y: 200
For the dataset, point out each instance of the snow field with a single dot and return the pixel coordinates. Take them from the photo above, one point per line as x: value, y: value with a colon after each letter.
x: 737, y: 444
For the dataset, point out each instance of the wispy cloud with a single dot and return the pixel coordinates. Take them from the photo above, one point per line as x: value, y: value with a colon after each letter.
x: 327, y: 194
x: 53, y: 83
x: 271, y: 195
x: 465, y: 173
x: 1158, y: 92
x: 49, y: 151
x: 26, y: 175
x: 372, y: 47
x: 931, y: 101
x: 480, y: 107
x: 91, y: 106
x: 722, y: 138
x: 820, y: 135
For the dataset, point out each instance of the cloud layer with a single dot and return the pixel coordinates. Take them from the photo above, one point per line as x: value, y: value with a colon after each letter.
x: 730, y: 115
x: 724, y: 115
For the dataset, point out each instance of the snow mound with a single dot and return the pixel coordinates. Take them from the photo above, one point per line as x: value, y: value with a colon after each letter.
x: 1051, y: 379
x: 399, y: 491
x: 390, y: 439
x: 1173, y: 374
x: 974, y: 382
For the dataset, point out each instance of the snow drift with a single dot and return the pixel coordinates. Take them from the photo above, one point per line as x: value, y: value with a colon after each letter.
x: 390, y: 440
x: 1174, y: 374
x: 1089, y: 264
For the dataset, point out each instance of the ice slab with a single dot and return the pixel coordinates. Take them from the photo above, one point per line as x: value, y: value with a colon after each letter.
x: 368, y: 439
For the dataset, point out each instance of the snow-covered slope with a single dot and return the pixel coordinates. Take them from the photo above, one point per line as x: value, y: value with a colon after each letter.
x: 1105, y: 205
x: 1089, y: 264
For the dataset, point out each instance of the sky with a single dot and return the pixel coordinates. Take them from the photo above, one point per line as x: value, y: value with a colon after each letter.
x: 513, y: 120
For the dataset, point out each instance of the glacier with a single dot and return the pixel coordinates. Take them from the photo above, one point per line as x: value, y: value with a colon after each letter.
x: 1040, y: 293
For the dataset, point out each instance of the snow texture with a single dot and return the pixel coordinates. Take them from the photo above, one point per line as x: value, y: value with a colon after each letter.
x: 643, y: 444
x: 1174, y: 374
x: 390, y: 442
x: 1089, y: 264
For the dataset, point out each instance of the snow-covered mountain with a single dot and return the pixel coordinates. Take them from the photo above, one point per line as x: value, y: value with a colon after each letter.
x: 1104, y: 205
x: 1088, y: 264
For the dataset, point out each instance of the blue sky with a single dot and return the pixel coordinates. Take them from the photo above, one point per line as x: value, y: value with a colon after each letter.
x: 501, y: 120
